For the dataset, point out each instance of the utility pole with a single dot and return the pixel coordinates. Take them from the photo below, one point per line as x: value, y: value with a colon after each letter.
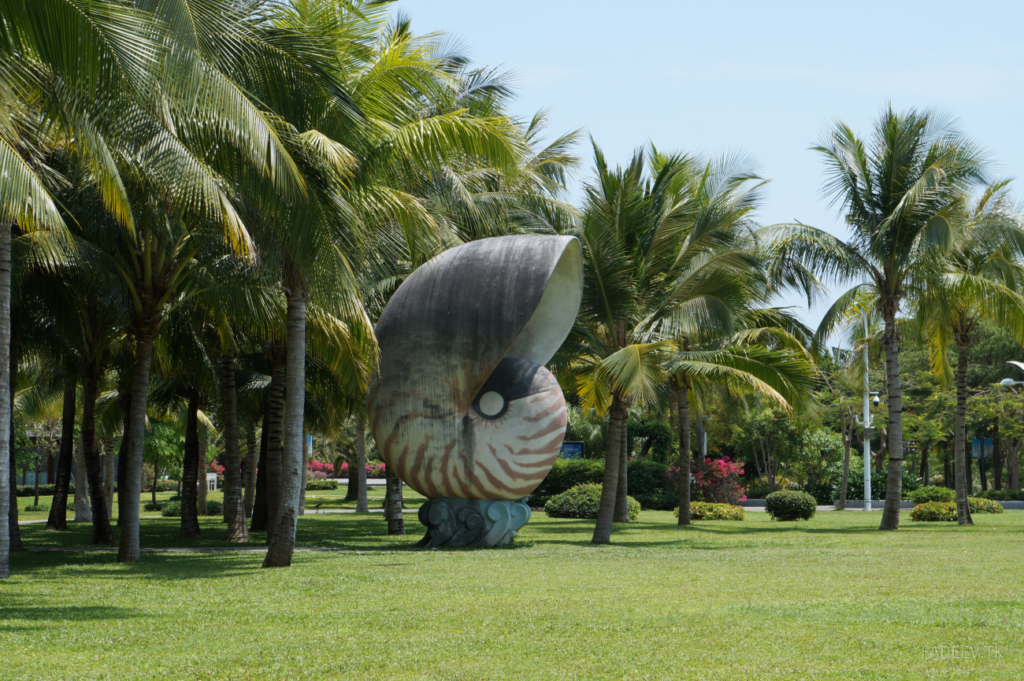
x: 866, y: 423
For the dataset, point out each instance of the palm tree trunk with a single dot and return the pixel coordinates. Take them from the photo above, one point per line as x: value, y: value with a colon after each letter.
x: 101, y: 532
x: 683, y: 400
x: 251, y: 457
x: 393, y: 503
x: 15, y: 351
x: 274, y: 452
x: 234, y: 511
x: 108, y: 472
x: 259, y: 523
x: 130, y: 548
x: 894, y: 485
x: 963, y: 508
x: 279, y: 552
x: 190, y: 468
x: 6, y: 488
x: 362, y: 505
x: 58, y: 518
x: 622, y: 491
x: 83, y: 514
x: 610, y: 484
x: 122, y: 453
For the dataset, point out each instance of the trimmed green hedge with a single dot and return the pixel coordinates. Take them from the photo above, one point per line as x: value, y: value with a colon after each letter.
x: 790, y: 505
x: 584, y: 501
x: 702, y: 510
x: 44, y: 490
x: 313, y: 485
x: 932, y: 493
x: 646, y: 482
x: 1003, y: 494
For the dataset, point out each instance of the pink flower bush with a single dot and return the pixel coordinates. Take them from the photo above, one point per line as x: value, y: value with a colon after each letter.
x: 373, y: 470
x: 715, y: 480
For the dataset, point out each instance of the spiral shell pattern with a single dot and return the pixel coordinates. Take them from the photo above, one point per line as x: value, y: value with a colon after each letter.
x: 463, y: 406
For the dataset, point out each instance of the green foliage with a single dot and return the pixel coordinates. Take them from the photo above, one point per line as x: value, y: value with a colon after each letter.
x: 1003, y: 494
x: 646, y: 481
x: 583, y: 501
x: 321, y: 485
x: 171, y: 509
x: 214, y: 508
x: 150, y: 506
x: 790, y: 505
x: 932, y: 493
x: 44, y: 490
x: 979, y: 505
x: 702, y: 510
x: 657, y: 433
x: 935, y: 511
x: 32, y: 508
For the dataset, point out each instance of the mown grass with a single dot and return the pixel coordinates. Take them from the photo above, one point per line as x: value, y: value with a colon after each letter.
x: 832, y: 598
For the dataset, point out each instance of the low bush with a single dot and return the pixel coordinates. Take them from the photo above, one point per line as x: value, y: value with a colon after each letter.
x: 646, y: 482
x: 932, y: 493
x: 31, y: 508
x: 171, y: 509
x: 321, y: 484
x: 934, y: 511
x: 583, y: 501
x: 175, y: 497
x: 150, y: 506
x: 979, y: 505
x: 1003, y: 494
x: 214, y: 508
x: 790, y: 505
x: 659, y: 500
x: 702, y: 510
x: 44, y: 490
x: 161, y: 485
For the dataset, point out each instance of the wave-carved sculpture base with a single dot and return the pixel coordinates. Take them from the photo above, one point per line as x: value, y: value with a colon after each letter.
x: 471, y: 522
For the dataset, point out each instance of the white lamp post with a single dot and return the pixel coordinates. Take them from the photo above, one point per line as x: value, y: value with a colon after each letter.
x: 866, y: 422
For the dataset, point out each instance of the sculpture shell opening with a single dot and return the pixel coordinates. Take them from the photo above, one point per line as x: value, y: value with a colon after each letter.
x: 463, y: 406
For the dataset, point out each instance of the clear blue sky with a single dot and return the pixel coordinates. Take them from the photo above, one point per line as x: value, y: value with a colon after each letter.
x: 762, y: 78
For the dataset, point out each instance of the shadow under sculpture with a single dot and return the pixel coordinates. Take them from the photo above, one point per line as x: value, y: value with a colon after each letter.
x: 464, y: 410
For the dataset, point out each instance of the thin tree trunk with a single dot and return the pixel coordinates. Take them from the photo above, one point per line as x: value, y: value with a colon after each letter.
x: 894, y: 485
x: 234, y: 511
x: 130, y: 548
x: 6, y: 489
x: 305, y: 466
x: 997, y: 458
x: 274, y: 452
x: 924, y: 472
x: 610, y: 484
x: 259, y: 506
x: 101, y: 532
x: 122, y: 453
x: 251, y: 457
x: 83, y: 514
x: 58, y: 518
x: 683, y: 400
x: 963, y: 509
x: 1013, y: 465
x: 279, y: 552
x: 15, y: 351
x: 202, y: 436
x: 846, y: 422
x: 189, y: 470
x: 362, y: 504
x: 622, y: 491
x: 108, y: 472
x: 393, y: 503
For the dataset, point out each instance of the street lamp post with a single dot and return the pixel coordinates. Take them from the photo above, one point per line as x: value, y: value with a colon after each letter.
x: 866, y: 422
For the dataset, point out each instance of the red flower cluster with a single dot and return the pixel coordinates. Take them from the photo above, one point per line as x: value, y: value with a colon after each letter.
x: 715, y: 480
x: 373, y: 470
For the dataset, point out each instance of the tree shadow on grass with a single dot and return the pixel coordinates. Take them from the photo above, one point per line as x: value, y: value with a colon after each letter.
x: 60, y: 566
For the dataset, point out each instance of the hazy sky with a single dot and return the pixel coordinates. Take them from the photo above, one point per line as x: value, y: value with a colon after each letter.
x: 760, y: 78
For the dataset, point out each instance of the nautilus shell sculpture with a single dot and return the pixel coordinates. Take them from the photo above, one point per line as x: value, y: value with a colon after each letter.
x: 464, y: 410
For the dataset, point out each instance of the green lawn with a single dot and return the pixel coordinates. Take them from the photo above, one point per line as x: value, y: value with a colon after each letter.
x: 827, y: 599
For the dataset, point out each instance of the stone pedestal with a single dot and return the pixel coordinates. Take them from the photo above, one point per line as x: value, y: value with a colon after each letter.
x: 471, y: 522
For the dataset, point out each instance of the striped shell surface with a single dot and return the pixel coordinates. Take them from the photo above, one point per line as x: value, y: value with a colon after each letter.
x: 463, y: 406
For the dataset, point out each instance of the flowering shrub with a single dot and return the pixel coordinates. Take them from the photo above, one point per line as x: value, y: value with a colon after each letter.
x: 932, y: 511
x: 715, y: 481
x: 373, y: 470
x: 979, y: 505
x: 316, y: 475
x: 319, y: 467
x: 701, y: 510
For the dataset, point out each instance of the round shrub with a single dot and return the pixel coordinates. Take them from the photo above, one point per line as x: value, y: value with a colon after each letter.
x: 934, y: 511
x: 171, y: 509
x: 150, y: 506
x: 932, y: 493
x: 32, y: 508
x: 979, y: 505
x: 702, y: 510
x: 790, y: 505
x: 214, y: 508
x: 583, y: 501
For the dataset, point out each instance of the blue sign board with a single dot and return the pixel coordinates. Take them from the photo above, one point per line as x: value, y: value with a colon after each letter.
x: 572, y: 450
x: 979, y: 445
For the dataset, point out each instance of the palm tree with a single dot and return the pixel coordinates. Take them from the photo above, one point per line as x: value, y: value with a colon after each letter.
x: 978, y: 279
x: 902, y: 193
